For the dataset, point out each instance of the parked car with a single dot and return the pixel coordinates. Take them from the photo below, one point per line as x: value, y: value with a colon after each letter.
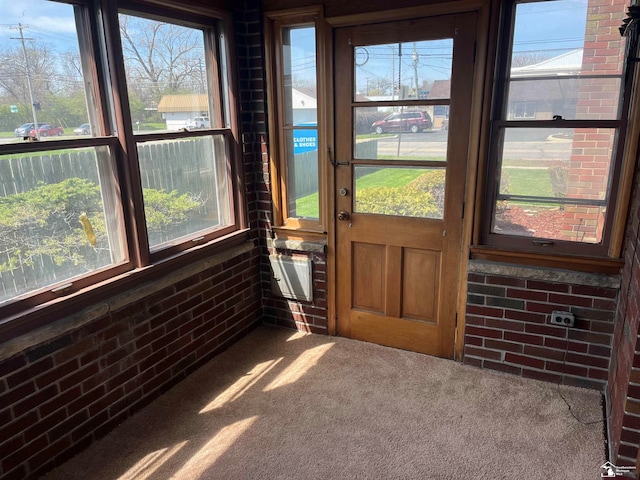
x: 24, y: 129
x: 404, y: 122
x: 198, y: 122
x: 47, y: 130
x: 84, y: 129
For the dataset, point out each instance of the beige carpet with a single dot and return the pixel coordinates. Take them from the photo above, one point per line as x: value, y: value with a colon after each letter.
x: 284, y: 405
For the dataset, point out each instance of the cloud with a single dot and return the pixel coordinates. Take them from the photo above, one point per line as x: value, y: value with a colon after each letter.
x: 50, y: 16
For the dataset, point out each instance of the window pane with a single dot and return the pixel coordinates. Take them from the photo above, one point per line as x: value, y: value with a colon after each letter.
x: 554, y: 183
x: 401, y: 191
x: 567, y: 37
x: 299, y: 52
x: 185, y: 187
x: 302, y: 173
x: 568, y: 222
x: 571, y: 98
x: 42, y: 78
x: 557, y: 163
x: 558, y: 49
x: 167, y: 75
x: 401, y: 133
x: 58, y: 218
x: 399, y: 71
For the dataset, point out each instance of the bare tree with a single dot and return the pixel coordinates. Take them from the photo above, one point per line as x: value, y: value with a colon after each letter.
x: 161, y: 57
x: 13, y: 72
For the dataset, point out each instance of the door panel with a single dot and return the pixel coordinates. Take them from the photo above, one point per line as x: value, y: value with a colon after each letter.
x: 369, y: 275
x: 420, y: 282
x: 399, y: 228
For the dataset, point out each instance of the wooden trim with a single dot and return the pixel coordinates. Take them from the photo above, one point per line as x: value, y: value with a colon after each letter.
x: 629, y: 159
x: 293, y: 16
x: 477, y: 140
x: 431, y: 10
x: 181, y: 11
x: 278, y: 158
x: 128, y: 167
x: 33, y: 316
x: 579, y: 264
x: 325, y: 38
x: 272, y: 65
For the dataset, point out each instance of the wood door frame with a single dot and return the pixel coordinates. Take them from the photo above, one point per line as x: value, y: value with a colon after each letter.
x: 487, y: 11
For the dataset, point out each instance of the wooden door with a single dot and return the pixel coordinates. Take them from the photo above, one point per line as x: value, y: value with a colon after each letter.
x: 400, y: 192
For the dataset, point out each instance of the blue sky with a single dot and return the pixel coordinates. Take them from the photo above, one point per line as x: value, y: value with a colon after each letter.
x: 48, y: 22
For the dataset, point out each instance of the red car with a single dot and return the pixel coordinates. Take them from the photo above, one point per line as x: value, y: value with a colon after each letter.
x: 406, y: 122
x: 47, y: 130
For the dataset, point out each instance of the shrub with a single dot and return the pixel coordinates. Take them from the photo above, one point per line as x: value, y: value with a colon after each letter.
x: 64, y: 223
x: 559, y: 180
x: 406, y: 201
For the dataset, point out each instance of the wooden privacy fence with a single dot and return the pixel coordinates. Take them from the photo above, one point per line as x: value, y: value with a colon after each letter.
x: 185, y: 166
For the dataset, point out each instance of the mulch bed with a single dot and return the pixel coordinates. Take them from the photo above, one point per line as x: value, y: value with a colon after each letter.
x: 520, y: 221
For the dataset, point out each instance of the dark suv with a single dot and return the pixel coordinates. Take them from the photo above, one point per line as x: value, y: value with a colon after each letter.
x: 405, y: 122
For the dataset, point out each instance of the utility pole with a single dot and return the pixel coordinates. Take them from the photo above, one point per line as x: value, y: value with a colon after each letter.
x: 21, y: 27
x: 415, y: 57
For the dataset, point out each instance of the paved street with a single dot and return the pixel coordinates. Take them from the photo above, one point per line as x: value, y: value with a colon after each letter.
x: 529, y: 145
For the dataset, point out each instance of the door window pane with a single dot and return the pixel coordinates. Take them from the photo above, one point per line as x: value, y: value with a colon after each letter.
x: 400, y: 71
x: 167, y: 75
x: 400, y: 191
x: 185, y: 187
x: 59, y: 218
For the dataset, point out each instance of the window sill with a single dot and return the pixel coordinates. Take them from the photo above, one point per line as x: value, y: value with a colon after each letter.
x: 607, y: 266
x: 309, y: 246
x: 296, y: 233
x: 34, y: 326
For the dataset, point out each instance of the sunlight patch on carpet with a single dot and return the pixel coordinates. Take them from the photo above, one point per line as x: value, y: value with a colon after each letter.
x: 243, y: 384
x: 299, y: 367
x: 211, y: 451
x: 148, y: 465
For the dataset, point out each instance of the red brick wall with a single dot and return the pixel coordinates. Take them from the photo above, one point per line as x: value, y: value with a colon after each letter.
x: 301, y: 315
x: 623, y: 390
x: 508, y: 328
x: 597, y: 99
x: 58, y: 396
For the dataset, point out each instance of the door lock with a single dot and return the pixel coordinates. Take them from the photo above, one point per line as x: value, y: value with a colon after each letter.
x: 343, y: 215
x: 344, y: 192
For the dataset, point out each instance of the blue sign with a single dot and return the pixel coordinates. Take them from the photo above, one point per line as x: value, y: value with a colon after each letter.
x: 305, y: 141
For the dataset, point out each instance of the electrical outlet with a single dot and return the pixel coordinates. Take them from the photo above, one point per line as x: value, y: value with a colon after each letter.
x: 564, y: 319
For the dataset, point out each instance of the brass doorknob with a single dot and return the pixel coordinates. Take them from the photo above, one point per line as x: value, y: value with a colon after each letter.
x: 343, y: 215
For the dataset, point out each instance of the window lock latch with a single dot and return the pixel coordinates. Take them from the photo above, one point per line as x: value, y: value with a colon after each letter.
x: 543, y: 243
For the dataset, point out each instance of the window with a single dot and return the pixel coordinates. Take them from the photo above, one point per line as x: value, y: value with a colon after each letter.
x: 295, y: 102
x: 185, y: 182
x: 70, y: 110
x: 555, y: 156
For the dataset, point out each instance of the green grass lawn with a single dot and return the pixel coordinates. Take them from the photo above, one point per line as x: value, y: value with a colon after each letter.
x: 529, y: 181
x: 388, y: 177
x: 523, y: 181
